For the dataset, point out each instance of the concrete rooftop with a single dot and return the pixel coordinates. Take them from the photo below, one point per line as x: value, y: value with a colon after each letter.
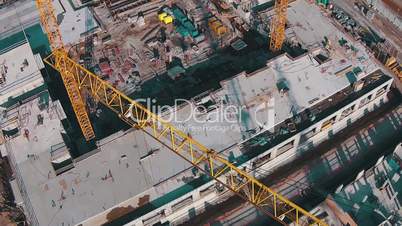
x: 22, y: 12
x: 21, y: 71
x: 25, y: 14
x: 308, y: 83
x: 121, y: 173
x: 72, y: 22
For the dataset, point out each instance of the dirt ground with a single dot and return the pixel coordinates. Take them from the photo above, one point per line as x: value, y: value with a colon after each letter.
x: 5, y: 215
x: 5, y: 219
x: 389, y: 29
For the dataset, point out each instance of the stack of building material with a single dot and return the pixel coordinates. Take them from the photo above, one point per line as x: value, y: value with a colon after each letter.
x: 165, y: 18
x: 217, y: 27
x: 322, y: 2
x: 105, y: 68
x: 184, y: 26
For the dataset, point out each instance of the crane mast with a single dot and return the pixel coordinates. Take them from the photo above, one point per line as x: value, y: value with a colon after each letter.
x: 278, y: 25
x: 208, y: 161
x: 49, y: 22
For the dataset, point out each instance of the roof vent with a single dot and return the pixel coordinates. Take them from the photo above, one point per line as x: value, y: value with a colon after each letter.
x: 282, y: 86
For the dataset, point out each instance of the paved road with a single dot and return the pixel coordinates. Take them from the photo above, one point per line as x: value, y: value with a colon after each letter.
x: 379, y: 23
x: 326, y: 167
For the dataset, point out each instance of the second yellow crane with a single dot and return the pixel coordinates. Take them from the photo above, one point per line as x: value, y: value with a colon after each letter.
x: 278, y: 25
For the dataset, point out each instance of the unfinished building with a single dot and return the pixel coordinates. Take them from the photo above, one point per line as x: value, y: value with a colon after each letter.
x: 19, y: 75
x: 274, y: 114
x: 312, y: 99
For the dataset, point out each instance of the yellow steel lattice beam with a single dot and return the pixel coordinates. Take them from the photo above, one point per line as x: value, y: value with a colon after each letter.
x: 206, y: 160
x: 278, y: 25
x: 49, y: 22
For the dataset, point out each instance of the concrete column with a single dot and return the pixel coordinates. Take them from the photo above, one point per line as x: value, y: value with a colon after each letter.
x: 273, y: 153
x: 139, y: 223
x: 296, y: 143
x: 389, y: 87
x: 196, y: 195
x: 168, y: 211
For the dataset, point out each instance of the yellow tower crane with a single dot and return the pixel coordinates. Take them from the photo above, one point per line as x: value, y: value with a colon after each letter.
x: 49, y: 22
x: 278, y: 24
x: 206, y: 160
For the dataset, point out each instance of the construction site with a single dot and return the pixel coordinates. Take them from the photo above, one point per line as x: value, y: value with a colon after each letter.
x: 200, y: 112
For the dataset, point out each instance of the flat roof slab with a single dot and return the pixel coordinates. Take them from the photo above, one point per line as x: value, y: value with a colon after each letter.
x: 73, y: 22
x: 33, y: 137
x: 13, y: 17
x: 20, y: 72
x: 119, y: 171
